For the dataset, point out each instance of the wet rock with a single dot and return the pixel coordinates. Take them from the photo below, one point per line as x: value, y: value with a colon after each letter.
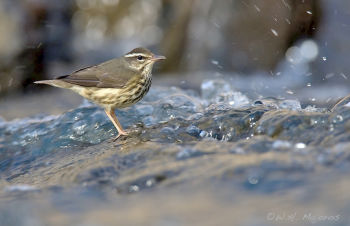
x: 100, y: 176
x: 146, y: 182
x: 188, y: 153
x: 178, y: 142
x: 194, y: 131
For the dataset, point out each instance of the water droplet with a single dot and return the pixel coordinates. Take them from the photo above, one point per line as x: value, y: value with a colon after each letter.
x: 149, y: 182
x: 253, y: 180
x: 290, y: 92
x: 215, y: 62
x: 313, y: 122
x: 338, y: 118
x: 134, y: 188
x: 203, y: 133
x: 343, y: 75
x: 274, y: 32
x: 300, y: 145
x: 257, y: 8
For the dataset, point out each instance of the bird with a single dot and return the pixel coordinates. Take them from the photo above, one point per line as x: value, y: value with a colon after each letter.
x: 114, y: 84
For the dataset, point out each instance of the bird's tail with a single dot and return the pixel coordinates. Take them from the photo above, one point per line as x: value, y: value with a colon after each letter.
x: 55, y: 82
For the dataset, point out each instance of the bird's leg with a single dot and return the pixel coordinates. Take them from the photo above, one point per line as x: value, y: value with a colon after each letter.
x: 111, y: 115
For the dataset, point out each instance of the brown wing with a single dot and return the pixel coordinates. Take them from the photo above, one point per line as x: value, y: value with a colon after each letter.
x: 111, y: 74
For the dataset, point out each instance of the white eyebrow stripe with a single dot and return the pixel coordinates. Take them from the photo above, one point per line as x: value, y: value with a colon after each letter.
x: 135, y: 55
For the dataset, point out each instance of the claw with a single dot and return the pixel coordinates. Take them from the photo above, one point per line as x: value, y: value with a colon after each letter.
x: 119, y: 135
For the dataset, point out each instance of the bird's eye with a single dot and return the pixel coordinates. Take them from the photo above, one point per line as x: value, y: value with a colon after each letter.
x: 140, y: 57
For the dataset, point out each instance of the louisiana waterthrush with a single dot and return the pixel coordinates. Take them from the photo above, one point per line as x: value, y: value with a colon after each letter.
x: 117, y: 83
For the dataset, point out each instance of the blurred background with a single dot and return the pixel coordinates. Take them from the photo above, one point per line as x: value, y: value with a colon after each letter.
x: 284, y: 48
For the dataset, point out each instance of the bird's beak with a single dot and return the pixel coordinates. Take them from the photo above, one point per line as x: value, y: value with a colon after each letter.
x: 157, y: 58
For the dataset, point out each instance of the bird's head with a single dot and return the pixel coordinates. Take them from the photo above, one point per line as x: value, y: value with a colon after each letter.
x: 141, y: 59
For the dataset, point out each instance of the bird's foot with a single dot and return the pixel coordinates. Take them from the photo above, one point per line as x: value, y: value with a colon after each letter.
x: 120, y: 134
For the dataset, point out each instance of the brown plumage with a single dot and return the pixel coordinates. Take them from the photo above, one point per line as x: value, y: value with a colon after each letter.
x: 116, y: 83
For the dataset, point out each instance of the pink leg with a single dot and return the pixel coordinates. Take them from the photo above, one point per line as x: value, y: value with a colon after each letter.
x: 111, y: 115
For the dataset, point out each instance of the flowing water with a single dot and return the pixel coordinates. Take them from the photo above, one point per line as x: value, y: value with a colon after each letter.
x: 215, y: 158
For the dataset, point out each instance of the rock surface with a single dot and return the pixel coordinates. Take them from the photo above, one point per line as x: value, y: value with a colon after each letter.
x: 212, y: 159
